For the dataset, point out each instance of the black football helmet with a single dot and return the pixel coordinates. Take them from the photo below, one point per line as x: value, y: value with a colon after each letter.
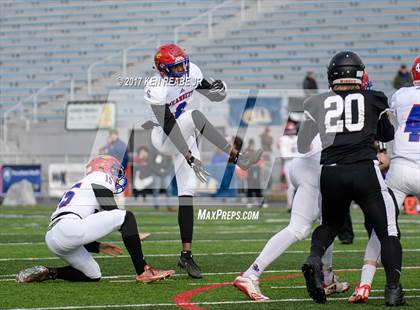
x: 345, y: 68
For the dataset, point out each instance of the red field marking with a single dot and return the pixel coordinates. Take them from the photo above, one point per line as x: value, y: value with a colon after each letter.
x: 183, y: 300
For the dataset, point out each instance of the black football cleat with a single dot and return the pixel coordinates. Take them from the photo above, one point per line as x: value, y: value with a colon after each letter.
x: 245, y: 161
x: 312, y: 270
x: 394, y: 296
x: 186, y: 262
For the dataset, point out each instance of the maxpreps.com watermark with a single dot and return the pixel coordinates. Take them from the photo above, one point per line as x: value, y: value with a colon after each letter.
x: 219, y: 214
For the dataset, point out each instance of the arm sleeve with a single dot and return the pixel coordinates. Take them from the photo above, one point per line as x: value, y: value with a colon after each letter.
x: 307, y: 133
x: 212, y: 90
x: 105, y: 197
x: 92, y: 247
x: 385, y: 130
x: 204, y: 85
x: 168, y: 122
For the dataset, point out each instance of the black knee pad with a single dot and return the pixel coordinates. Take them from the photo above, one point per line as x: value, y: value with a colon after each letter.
x: 129, y: 226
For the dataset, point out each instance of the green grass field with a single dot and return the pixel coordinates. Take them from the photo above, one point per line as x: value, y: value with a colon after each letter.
x: 222, y: 249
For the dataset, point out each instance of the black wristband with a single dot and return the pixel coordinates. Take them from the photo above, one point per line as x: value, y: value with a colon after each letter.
x: 92, y: 247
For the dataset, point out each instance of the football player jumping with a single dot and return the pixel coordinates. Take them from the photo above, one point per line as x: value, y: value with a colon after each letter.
x: 86, y: 213
x: 174, y: 132
x: 304, y: 170
x: 403, y: 178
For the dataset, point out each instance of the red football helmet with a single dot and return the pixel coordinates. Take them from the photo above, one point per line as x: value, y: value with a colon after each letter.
x: 168, y: 57
x: 111, y: 166
x: 415, y: 71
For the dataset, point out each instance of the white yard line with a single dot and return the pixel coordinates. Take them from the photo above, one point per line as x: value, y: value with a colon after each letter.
x: 218, y: 232
x: 230, y: 302
x: 238, y: 272
x: 175, y: 255
x: 177, y: 241
x: 304, y: 287
x: 131, y: 277
x: 139, y: 213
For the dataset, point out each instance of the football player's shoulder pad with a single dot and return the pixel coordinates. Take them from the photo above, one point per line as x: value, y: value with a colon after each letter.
x: 156, y: 90
x: 195, y: 72
x: 101, y: 178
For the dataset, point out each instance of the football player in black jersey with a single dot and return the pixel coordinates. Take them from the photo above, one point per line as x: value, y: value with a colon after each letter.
x: 349, y: 120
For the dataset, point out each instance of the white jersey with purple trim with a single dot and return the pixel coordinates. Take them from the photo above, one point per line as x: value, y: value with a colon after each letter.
x: 405, y: 104
x: 80, y: 198
x: 175, y: 92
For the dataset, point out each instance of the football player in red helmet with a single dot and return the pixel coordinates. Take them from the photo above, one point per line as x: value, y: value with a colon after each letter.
x: 112, y: 167
x: 403, y: 176
x: 169, y: 93
x: 88, y: 212
x: 171, y: 61
x: 415, y: 71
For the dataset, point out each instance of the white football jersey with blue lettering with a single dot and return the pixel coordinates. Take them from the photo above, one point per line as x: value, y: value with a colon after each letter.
x: 80, y: 198
x: 177, y: 93
x: 405, y: 104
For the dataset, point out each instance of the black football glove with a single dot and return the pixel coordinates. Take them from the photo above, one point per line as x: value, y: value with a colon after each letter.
x: 217, y: 91
x: 199, y: 171
x: 218, y: 86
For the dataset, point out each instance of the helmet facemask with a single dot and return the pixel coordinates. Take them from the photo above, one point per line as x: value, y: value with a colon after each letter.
x: 117, y: 174
x: 173, y: 70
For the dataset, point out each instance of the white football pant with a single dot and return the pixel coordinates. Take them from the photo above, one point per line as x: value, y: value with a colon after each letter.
x: 185, y: 176
x: 291, y: 189
x: 304, y: 176
x: 67, y: 237
x: 402, y: 179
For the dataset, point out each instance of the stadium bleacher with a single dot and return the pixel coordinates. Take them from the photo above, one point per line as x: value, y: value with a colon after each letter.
x: 45, y: 41
x: 277, y: 48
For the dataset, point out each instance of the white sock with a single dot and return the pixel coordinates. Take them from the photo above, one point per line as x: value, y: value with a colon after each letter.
x: 272, y: 250
x: 327, y: 265
x: 368, y: 272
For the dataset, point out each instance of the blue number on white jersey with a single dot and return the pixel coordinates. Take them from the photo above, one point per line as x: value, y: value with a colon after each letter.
x: 413, y: 124
x: 68, y: 196
x: 180, y: 109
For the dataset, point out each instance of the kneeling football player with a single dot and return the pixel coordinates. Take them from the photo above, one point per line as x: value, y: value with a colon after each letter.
x: 86, y: 213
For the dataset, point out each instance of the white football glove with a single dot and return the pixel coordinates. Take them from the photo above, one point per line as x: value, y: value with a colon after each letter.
x: 199, y: 171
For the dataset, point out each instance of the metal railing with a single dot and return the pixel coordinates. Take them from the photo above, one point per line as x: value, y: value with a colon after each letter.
x: 124, y: 63
x: 34, y: 98
x: 208, y: 14
x: 123, y: 53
